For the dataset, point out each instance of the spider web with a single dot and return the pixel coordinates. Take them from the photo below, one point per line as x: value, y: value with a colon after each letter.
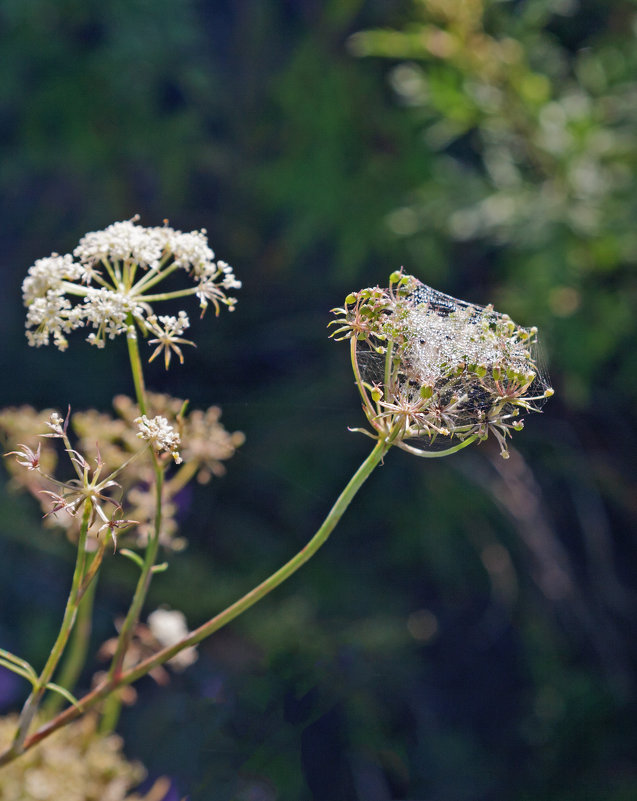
x: 444, y: 334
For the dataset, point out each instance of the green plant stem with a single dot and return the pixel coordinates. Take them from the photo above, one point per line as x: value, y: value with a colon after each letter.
x: 109, y: 714
x: 438, y: 454
x: 113, y: 272
x: 136, y: 365
x: 93, y: 568
x: 115, y: 681
x: 145, y: 576
x: 178, y: 293
x: 141, y: 590
x: 150, y: 278
x: 32, y: 703
x: 75, y: 657
x: 150, y: 556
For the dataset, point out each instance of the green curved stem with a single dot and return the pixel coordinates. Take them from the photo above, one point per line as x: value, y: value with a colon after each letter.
x: 141, y: 590
x: 114, y: 682
x: 438, y: 454
x: 112, y: 271
x: 152, y: 278
x: 177, y: 293
x: 136, y: 365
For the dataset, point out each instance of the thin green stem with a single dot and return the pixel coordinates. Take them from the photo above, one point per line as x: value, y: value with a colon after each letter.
x: 438, y: 454
x: 141, y: 590
x: 152, y: 278
x: 69, y: 450
x: 114, y: 682
x: 143, y: 583
x: 109, y: 714
x: 112, y: 271
x: 75, y: 657
x: 136, y: 365
x: 283, y: 573
x: 96, y: 563
x: 130, y: 273
x: 178, y: 293
x: 32, y: 703
x: 82, y: 291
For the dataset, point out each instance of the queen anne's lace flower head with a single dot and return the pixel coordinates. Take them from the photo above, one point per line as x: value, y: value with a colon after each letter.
x: 110, y: 285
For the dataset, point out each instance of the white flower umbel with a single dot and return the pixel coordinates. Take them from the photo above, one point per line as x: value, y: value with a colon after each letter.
x: 158, y: 432
x: 111, y: 285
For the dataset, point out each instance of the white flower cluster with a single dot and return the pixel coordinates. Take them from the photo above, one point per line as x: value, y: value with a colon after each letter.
x: 110, y: 282
x: 75, y: 764
x: 122, y: 242
x: 168, y: 325
x: 160, y: 434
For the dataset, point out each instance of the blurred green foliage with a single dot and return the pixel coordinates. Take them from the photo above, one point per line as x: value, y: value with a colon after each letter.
x: 530, y: 108
x: 466, y: 634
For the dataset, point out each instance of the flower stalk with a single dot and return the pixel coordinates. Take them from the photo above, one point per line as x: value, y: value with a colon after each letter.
x: 77, y: 651
x: 150, y: 556
x: 116, y: 680
x: 141, y: 590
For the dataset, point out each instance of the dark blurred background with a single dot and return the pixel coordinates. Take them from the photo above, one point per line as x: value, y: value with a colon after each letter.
x: 468, y: 633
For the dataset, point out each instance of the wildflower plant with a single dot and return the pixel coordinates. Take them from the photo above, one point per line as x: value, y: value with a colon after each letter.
x: 434, y: 375
x: 126, y: 469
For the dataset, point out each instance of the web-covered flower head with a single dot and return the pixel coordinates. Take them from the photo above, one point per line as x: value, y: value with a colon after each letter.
x: 436, y: 373
x: 110, y: 285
